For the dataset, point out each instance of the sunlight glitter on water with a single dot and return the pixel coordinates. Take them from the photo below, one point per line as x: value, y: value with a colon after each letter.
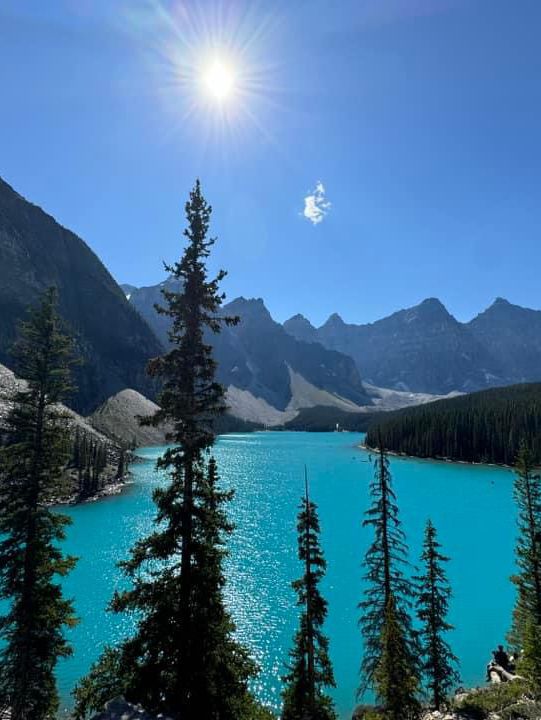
x: 466, y: 503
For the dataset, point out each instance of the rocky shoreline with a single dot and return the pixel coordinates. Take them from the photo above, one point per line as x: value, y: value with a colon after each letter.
x: 114, y: 488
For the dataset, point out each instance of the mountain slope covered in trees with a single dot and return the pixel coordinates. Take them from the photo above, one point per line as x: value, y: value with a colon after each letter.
x: 95, y: 457
x: 486, y: 426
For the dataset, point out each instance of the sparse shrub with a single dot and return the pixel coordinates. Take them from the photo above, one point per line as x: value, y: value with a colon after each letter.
x: 497, y: 698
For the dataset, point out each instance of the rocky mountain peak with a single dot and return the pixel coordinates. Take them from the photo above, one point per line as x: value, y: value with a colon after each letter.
x: 334, y: 321
x: 502, y: 312
x: 298, y: 318
x: 301, y: 328
x: 433, y: 308
x: 249, y: 309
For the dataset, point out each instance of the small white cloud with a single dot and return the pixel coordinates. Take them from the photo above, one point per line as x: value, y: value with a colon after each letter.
x: 316, y: 205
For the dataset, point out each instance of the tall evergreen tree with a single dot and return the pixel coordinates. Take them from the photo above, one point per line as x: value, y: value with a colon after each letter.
x: 439, y: 663
x: 183, y: 659
x: 310, y: 669
x: 31, y: 464
x: 390, y: 662
x: 526, y: 627
x: 395, y: 683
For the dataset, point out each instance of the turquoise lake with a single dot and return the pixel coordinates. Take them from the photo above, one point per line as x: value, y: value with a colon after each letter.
x: 471, y: 506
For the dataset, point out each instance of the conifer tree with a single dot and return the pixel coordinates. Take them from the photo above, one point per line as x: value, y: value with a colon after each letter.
x: 530, y: 663
x: 183, y: 659
x: 438, y: 662
x: 395, y: 683
x: 310, y: 669
x: 31, y: 561
x: 526, y: 627
x: 121, y: 467
x: 390, y: 662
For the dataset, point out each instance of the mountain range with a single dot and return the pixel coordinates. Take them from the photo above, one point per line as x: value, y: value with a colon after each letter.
x: 271, y: 371
x: 425, y: 349
x: 417, y: 353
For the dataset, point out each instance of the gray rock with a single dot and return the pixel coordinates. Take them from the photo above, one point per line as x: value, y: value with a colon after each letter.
x: 120, y: 709
x: 113, y: 340
x: 118, y: 417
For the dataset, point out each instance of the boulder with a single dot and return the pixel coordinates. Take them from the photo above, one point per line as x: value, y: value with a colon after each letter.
x: 120, y: 709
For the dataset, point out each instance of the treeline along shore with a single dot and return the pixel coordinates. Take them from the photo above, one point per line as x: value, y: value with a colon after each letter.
x: 484, y: 427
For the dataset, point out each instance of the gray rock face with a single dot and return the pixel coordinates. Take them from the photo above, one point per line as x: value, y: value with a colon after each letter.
x: 145, y: 299
x: 512, y: 336
x: 256, y: 354
x: 425, y: 349
x: 10, y: 384
x: 113, y: 340
x: 120, y: 709
x: 301, y: 328
x: 118, y: 417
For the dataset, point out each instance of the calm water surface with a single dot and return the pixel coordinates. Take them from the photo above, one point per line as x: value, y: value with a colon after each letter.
x: 472, y: 508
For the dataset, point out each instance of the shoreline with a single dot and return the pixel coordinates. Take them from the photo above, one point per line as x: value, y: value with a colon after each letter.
x: 110, y: 490
x: 449, y: 461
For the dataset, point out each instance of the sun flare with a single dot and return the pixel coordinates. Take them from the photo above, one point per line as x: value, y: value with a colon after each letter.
x: 219, y: 80
x: 211, y: 69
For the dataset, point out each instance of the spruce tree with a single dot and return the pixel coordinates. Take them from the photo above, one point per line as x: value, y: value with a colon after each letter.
x: 310, y: 669
x: 390, y: 664
x: 438, y: 662
x: 183, y: 659
x: 31, y: 560
x: 395, y: 683
x: 526, y: 627
x: 530, y: 663
x: 121, y: 467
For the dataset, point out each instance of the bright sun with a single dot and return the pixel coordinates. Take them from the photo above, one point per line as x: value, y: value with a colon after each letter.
x: 219, y: 80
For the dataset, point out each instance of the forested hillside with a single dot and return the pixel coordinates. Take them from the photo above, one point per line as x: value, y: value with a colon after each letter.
x: 487, y: 426
x: 325, y: 419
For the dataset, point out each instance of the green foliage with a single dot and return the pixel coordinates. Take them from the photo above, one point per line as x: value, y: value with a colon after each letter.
x: 324, y: 419
x: 370, y: 714
x: 31, y: 560
x: 250, y: 709
x: 438, y: 662
x: 106, y: 680
x: 390, y: 662
x: 89, y: 459
x: 527, y: 492
x: 183, y: 659
x: 530, y: 661
x: 482, y: 427
x: 227, y: 423
x: 495, y: 699
x: 310, y: 669
x: 395, y: 677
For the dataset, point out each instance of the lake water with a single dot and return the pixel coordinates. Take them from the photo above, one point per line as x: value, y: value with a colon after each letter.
x: 471, y: 506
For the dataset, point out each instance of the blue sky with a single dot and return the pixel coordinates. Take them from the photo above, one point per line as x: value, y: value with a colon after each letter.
x: 420, y: 118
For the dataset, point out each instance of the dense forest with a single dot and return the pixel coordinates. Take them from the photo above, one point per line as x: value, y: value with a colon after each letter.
x: 325, y: 419
x: 487, y: 426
